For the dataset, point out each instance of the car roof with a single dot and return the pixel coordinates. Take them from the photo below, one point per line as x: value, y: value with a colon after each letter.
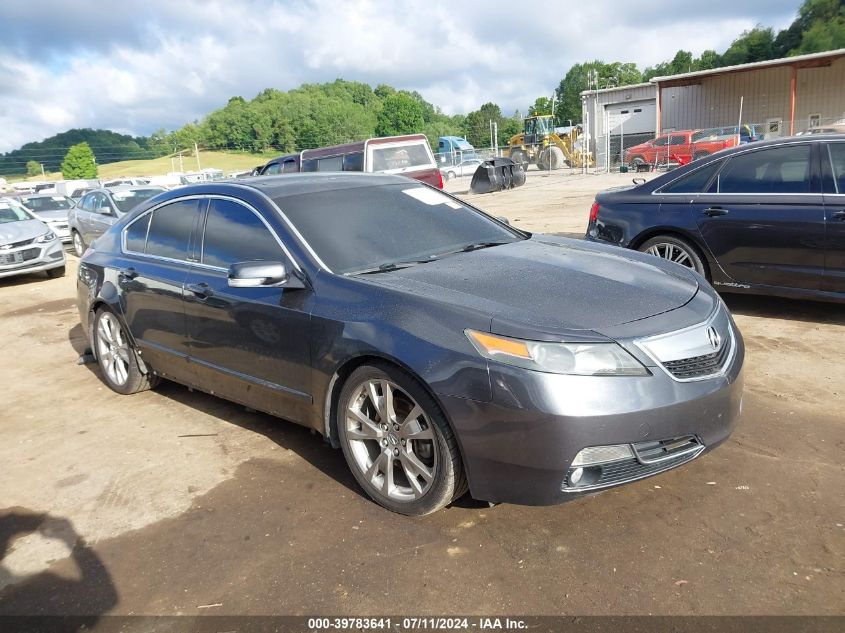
x: 126, y: 188
x: 43, y: 195
x: 285, y: 185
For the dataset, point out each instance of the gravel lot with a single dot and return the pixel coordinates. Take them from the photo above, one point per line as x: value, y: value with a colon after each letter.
x: 173, y: 502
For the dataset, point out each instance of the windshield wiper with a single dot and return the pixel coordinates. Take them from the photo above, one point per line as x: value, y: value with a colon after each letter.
x: 476, y: 245
x: 391, y: 266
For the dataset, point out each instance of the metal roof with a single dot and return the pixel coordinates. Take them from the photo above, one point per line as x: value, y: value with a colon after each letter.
x: 783, y: 61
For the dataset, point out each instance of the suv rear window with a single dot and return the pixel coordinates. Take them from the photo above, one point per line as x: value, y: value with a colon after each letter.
x: 398, y: 158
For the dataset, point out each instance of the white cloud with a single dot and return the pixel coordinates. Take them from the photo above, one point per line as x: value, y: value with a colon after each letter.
x: 161, y: 64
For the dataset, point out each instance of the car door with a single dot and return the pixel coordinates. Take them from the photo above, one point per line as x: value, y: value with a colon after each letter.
x: 833, y: 171
x: 83, y: 213
x: 656, y: 153
x: 102, y: 216
x: 151, y: 276
x: 250, y: 345
x: 680, y: 148
x: 763, y: 217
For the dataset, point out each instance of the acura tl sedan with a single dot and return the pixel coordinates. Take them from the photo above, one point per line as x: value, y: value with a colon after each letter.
x: 765, y: 218
x: 441, y: 349
x: 27, y: 245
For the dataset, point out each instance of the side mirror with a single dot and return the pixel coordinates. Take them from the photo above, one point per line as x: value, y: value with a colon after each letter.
x: 503, y: 220
x: 261, y: 274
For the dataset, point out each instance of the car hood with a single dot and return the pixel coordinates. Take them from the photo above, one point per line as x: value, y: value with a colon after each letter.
x: 550, y: 286
x: 11, y: 232
x: 52, y: 216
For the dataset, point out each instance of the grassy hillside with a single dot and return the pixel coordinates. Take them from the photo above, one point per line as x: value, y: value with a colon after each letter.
x: 226, y: 161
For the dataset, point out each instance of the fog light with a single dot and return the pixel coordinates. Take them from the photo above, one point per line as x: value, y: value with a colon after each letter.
x: 602, y: 455
x: 576, y: 475
x: 583, y: 477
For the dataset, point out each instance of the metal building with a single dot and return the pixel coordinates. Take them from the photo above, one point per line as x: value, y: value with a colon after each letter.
x: 781, y: 96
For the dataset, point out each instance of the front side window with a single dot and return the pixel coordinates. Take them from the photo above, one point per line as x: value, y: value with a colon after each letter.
x: 170, y: 229
x: 693, y: 182
x: 356, y: 229
x: 233, y: 233
x: 775, y: 170
x: 272, y: 169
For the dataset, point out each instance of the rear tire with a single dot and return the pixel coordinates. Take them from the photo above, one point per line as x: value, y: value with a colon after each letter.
x: 520, y: 158
x: 116, y: 357
x: 677, y: 250
x: 397, y: 442
x: 55, y: 273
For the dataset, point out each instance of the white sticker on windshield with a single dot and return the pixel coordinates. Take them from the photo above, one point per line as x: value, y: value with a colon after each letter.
x: 431, y: 197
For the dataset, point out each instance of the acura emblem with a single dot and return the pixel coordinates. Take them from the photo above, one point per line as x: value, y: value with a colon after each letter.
x: 713, y: 337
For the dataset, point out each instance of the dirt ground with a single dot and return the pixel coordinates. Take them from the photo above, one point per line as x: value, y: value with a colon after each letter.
x: 172, y: 502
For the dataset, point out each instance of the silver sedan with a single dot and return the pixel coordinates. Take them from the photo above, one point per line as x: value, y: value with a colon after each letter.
x: 27, y: 244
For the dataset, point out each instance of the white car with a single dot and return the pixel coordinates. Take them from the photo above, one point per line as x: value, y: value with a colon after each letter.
x: 464, y: 168
x: 51, y: 209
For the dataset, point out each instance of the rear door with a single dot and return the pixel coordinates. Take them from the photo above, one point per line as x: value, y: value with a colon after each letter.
x: 152, y: 277
x: 763, y: 217
x: 833, y: 170
x: 249, y: 344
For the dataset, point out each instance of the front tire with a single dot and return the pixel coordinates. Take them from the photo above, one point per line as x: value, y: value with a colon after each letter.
x: 397, y: 441
x: 116, y: 356
x: 78, y: 244
x: 677, y: 250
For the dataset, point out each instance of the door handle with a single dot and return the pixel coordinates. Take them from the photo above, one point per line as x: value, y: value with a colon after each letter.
x: 839, y: 215
x: 713, y: 212
x: 128, y: 273
x: 201, y: 290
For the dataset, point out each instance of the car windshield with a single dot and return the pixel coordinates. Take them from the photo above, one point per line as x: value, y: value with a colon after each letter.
x: 355, y: 230
x: 128, y: 200
x: 12, y: 212
x: 47, y: 203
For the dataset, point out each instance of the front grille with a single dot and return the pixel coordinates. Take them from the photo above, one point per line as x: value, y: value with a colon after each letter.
x: 697, y: 366
x: 662, y: 450
x: 651, y: 458
x: 7, y: 247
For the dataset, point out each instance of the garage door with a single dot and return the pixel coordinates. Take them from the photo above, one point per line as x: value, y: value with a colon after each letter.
x: 631, y: 118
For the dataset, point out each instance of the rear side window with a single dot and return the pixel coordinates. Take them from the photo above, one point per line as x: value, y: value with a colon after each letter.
x: 233, y: 233
x: 837, y: 162
x: 694, y: 182
x: 353, y: 162
x: 136, y: 234
x: 775, y: 170
x: 309, y: 164
x: 333, y: 163
x: 289, y: 166
x: 170, y: 229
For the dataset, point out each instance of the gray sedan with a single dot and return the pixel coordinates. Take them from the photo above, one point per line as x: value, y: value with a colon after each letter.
x: 101, y: 208
x: 27, y: 244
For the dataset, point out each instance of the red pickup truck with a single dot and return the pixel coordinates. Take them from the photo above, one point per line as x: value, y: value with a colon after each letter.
x: 670, y: 147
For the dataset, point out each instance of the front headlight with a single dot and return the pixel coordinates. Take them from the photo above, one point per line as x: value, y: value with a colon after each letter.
x: 574, y: 359
x: 49, y: 236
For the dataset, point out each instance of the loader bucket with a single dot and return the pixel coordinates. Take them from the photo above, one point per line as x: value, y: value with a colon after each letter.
x: 497, y: 174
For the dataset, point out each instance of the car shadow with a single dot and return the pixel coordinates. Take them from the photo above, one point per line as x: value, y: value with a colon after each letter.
x: 791, y: 309
x: 87, y: 591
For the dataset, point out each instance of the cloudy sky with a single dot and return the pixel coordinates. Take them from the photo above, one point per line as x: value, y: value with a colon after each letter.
x: 136, y: 66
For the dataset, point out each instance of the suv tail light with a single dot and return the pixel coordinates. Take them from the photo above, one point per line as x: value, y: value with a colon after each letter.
x: 439, y: 180
x: 594, y: 212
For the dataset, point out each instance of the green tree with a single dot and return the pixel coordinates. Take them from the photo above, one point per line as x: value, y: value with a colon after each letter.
x: 589, y: 75
x: 33, y: 168
x: 822, y: 25
x: 401, y: 113
x: 477, y: 124
x: 541, y: 105
x: 756, y: 45
x: 79, y: 162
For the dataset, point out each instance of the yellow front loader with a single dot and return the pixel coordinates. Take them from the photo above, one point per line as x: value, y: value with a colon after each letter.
x: 541, y: 145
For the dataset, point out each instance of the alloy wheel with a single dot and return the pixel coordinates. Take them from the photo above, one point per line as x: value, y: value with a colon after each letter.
x: 391, y: 440
x: 78, y: 246
x: 673, y: 253
x: 112, y: 349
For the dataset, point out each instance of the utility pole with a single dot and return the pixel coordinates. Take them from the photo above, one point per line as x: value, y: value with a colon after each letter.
x: 181, y: 167
x: 197, y: 154
x: 495, y: 138
x: 43, y: 175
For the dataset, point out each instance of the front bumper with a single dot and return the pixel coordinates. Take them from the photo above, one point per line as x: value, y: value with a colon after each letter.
x: 519, y: 448
x: 31, y: 258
